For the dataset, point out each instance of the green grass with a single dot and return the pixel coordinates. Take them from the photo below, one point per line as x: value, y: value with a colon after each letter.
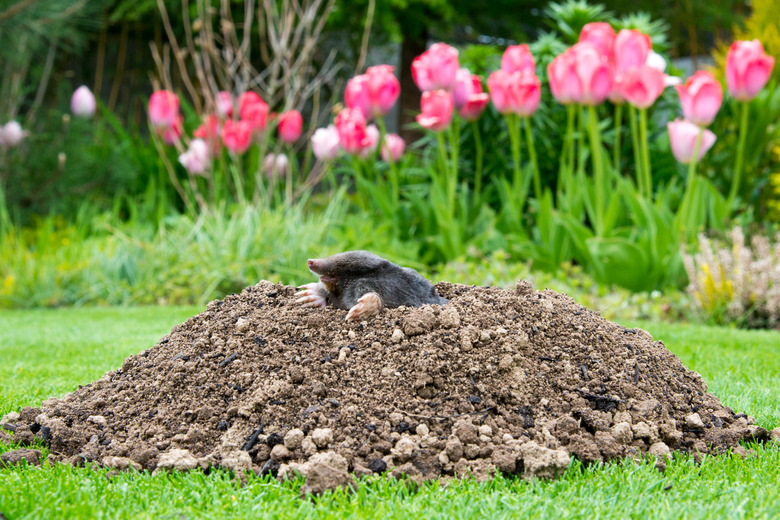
x: 48, y: 352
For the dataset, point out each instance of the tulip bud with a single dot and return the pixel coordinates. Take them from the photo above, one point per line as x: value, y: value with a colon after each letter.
x: 748, y: 69
x: 163, y: 108
x: 701, y: 97
x: 437, y: 109
x: 325, y: 143
x: 83, y: 103
x: 290, y: 126
x: 393, y: 148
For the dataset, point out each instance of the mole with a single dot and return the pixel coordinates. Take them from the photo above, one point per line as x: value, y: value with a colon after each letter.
x: 364, y: 283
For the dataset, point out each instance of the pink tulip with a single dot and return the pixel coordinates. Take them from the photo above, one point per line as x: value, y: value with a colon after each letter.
x: 172, y: 134
x: 393, y: 147
x: 518, y: 58
x: 474, y: 106
x: 437, y: 109
x: 351, y: 126
x: 682, y: 137
x: 641, y: 86
x: 581, y: 75
x: 290, y: 126
x: 371, y: 142
x: 436, y: 68
x: 275, y: 165
x: 374, y: 92
x: 83, y: 103
x: 325, y: 143
x: 748, y: 69
x: 209, y: 132
x: 632, y: 47
x: 517, y: 92
x: 253, y: 109
x: 224, y: 103
x: 197, y: 158
x: 383, y: 88
x: 163, y: 108
x: 600, y: 34
x: 11, y: 134
x: 701, y: 97
x: 466, y: 84
x: 237, y: 135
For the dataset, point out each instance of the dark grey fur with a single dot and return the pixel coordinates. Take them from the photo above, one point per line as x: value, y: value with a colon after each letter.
x: 359, y: 272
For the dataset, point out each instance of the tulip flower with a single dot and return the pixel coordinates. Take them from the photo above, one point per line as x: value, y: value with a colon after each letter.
x: 642, y: 85
x: 437, y: 106
x: 237, y: 135
x: 581, y: 75
x: 163, y: 108
x: 748, y: 69
x: 357, y: 95
x: 475, y: 105
x: 209, y: 131
x: 518, y: 58
x: 683, y: 135
x: 689, y: 143
x: 351, y: 126
x: 197, y: 159
x: 632, y: 47
x: 325, y: 143
x: 371, y: 142
x: 254, y: 110
x: 600, y: 34
x: 374, y: 92
x: 224, y: 103
x: 701, y: 97
x: 436, y: 68
x: 83, y: 103
x: 466, y: 84
x: 517, y: 92
x: 276, y: 165
x: 393, y: 148
x: 290, y: 126
x: 172, y: 134
x: 11, y: 134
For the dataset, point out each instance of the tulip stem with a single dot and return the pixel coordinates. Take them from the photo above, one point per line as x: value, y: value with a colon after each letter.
x: 640, y: 179
x: 478, y: 169
x: 454, y: 152
x: 743, y: 122
x: 581, y: 147
x: 598, y: 170
x: 686, y: 216
x: 532, y: 154
x: 618, y: 133
x: 442, y: 153
x: 514, y: 137
x: 566, y: 166
x: 394, y: 185
x: 5, y: 218
x: 648, y: 174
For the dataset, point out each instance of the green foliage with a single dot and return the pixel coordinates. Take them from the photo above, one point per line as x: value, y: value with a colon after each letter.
x: 569, y: 17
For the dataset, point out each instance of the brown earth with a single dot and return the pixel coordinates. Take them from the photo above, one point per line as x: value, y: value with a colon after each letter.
x: 496, y: 379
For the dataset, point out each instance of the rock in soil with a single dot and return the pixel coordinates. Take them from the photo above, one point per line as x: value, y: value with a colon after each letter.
x: 495, y: 380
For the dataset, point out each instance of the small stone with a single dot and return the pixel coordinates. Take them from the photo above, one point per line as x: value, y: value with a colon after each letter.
x: 467, y: 432
x: 293, y: 439
x: 322, y: 477
x: 485, y: 430
x: 177, y: 459
x: 120, y: 463
x: 403, y: 449
x: 280, y: 452
x: 660, y: 450
x: 542, y: 462
x: 694, y: 421
x: 622, y: 433
x: 397, y: 337
x: 454, y: 448
x: 97, y: 419
x: 422, y: 430
x: 242, y: 325
x: 308, y: 446
x: 322, y: 437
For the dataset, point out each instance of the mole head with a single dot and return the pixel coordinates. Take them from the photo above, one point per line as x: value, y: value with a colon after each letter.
x: 343, y: 267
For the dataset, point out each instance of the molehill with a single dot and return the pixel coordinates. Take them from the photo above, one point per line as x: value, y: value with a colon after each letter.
x: 509, y: 380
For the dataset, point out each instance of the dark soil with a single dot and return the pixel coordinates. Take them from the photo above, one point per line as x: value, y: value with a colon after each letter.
x: 496, y: 379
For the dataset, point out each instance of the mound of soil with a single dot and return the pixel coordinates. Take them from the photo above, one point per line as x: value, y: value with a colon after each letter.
x: 496, y: 379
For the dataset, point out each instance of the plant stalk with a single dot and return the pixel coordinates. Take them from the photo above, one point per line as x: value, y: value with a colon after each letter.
x: 743, y: 122
x: 598, y: 168
x: 532, y: 154
x: 646, y: 171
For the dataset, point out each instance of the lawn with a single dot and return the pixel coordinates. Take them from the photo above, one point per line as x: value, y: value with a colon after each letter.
x: 48, y: 352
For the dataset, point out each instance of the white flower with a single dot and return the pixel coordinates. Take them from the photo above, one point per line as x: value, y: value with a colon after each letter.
x: 83, y: 103
x: 197, y: 158
x: 325, y: 143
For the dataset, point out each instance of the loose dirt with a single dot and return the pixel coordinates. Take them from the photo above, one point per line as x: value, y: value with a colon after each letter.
x: 507, y: 380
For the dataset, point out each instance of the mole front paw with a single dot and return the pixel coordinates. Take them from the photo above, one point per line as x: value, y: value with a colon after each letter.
x: 367, y: 305
x: 310, y: 295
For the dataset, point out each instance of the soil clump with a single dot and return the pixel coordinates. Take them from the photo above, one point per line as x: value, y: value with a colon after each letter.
x: 515, y: 381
